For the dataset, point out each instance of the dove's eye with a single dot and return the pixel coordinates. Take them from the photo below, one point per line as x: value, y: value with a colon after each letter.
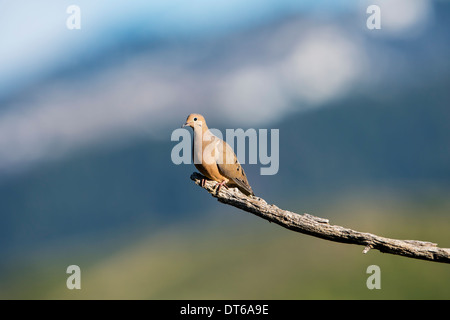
x: 195, y: 119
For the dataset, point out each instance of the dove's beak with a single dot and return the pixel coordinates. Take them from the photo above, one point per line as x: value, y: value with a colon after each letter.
x: 187, y: 124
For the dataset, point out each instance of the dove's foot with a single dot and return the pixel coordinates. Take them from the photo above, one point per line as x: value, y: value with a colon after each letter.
x: 223, y: 183
x: 202, y: 182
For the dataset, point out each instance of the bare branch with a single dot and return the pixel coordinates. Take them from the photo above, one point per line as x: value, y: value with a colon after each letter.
x: 321, y: 228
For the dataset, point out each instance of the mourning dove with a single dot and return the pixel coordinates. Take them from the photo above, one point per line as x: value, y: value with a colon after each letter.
x: 214, y: 158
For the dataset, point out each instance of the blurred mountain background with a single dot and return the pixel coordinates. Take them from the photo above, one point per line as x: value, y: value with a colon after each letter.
x: 86, y: 176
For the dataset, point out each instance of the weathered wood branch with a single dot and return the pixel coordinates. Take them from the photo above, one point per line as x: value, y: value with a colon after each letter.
x: 321, y: 228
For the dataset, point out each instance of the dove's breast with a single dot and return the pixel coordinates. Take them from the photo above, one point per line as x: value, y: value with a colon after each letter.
x: 205, y: 154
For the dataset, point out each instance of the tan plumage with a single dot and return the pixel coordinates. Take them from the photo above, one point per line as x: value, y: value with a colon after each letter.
x: 214, y: 158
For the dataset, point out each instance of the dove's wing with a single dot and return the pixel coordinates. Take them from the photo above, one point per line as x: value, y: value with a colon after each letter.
x: 230, y: 167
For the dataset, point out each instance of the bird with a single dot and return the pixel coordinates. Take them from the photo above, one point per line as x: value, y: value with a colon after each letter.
x: 214, y: 158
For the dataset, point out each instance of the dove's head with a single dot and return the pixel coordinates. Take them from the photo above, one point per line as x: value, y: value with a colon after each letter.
x: 195, y: 120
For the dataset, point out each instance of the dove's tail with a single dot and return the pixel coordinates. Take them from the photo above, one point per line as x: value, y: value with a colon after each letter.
x: 244, y: 187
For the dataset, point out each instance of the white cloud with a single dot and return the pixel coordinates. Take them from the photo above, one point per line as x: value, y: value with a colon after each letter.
x: 403, y: 18
x: 318, y: 65
x: 323, y: 65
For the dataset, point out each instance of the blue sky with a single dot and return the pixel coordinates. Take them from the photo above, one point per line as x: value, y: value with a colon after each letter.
x: 35, y: 40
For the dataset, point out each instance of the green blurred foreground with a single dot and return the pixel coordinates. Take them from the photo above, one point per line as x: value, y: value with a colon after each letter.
x: 235, y: 255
